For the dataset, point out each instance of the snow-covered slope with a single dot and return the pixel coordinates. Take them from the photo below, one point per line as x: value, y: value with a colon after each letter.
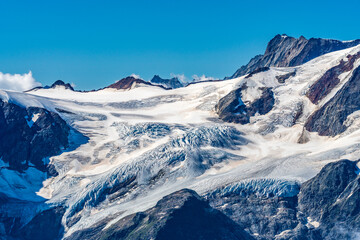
x: 148, y: 142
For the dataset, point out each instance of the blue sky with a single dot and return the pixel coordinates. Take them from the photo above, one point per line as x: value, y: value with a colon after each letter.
x: 95, y: 43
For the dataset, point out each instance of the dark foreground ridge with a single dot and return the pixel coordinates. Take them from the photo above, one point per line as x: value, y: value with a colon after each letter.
x: 180, y: 215
x: 325, y: 207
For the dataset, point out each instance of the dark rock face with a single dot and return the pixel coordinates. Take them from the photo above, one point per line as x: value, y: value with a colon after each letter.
x: 27, y: 136
x: 316, y: 47
x: 318, y: 195
x: 171, y: 83
x: 329, y: 119
x: 284, y: 51
x: 264, y: 216
x: 22, y: 220
x: 330, y: 79
x: 283, y: 78
x: 180, y: 215
x: 45, y: 226
x: 232, y: 109
x: 331, y: 199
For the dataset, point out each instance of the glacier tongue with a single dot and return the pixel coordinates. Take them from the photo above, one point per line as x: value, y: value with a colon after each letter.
x: 172, y: 155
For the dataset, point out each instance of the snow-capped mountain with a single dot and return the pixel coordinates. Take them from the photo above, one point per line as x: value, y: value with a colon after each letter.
x: 56, y: 84
x: 128, y: 83
x: 286, y: 51
x: 252, y: 157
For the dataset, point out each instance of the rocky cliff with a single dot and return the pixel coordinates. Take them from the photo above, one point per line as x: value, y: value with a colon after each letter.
x: 28, y: 136
x: 285, y: 51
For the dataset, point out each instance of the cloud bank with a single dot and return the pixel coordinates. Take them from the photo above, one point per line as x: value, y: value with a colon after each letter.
x: 201, y: 78
x: 181, y: 77
x: 17, y: 82
x: 135, y: 76
x: 195, y: 78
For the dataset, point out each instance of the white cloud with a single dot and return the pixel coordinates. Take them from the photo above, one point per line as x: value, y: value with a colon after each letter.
x: 135, y: 76
x: 201, y: 78
x: 17, y: 82
x: 181, y: 77
x: 195, y: 78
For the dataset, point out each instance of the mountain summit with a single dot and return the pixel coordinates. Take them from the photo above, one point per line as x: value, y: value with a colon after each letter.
x: 128, y: 83
x: 285, y: 51
x: 168, y: 83
x: 62, y: 84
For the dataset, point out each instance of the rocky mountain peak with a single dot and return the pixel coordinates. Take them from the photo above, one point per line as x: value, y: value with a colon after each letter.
x: 62, y: 83
x: 127, y: 83
x: 167, y: 83
x: 156, y: 77
x: 287, y: 51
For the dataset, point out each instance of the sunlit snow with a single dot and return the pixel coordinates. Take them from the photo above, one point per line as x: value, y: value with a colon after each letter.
x: 154, y: 141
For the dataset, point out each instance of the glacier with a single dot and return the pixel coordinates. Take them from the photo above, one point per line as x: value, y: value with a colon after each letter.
x: 147, y: 142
